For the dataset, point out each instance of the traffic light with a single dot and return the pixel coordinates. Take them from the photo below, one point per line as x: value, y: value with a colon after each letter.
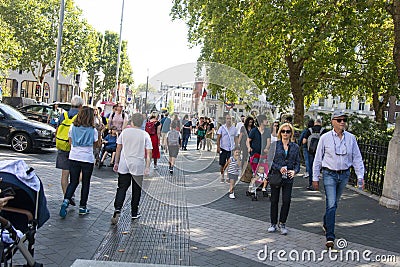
x: 37, y: 90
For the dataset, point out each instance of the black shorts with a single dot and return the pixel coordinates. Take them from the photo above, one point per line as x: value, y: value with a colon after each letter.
x: 62, y: 161
x: 110, y: 149
x: 224, y: 155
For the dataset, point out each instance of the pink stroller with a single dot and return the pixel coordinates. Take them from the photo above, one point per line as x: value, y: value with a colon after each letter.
x: 258, y: 162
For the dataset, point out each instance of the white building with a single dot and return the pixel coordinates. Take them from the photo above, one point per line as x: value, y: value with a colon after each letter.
x: 24, y: 84
x: 357, y: 105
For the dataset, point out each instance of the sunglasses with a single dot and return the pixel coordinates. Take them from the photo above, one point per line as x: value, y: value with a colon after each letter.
x: 286, y: 131
x: 340, y: 120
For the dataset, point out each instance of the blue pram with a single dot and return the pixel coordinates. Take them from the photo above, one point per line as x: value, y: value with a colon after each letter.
x: 26, y: 212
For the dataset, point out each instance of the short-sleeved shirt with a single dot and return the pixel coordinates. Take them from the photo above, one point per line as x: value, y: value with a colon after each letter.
x: 258, y: 141
x: 227, y: 140
x: 134, y: 143
x: 117, y: 120
x: 82, y: 153
x: 166, y: 125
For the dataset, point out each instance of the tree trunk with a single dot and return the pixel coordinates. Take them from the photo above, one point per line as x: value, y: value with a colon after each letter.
x: 378, y: 107
x: 296, y: 89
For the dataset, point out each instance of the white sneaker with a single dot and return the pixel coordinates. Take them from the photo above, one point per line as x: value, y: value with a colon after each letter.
x: 272, y: 228
x: 264, y: 190
x: 232, y: 195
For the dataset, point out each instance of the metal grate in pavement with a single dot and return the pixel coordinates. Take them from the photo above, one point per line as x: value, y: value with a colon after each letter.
x: 161, y: 235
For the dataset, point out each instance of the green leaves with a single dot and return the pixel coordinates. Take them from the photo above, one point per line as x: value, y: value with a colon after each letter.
x: 297, y: 50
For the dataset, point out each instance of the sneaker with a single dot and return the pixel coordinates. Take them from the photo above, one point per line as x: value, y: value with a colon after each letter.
x: 83, y: 211
x: 310, y: 188
x: 329, y: 244
x: 155, y: 167
x: 284, y: 231
x: 272, y: 228
x: 222, y: 181
x: 137, y: 216
x: 306, y: 175
x: 64, y: 206
x: 171, y: 170
x: 115, y: 217
x: 264, y: 190
x: 232, y: 195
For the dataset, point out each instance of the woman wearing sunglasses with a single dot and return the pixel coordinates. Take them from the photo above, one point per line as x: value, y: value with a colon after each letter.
x: 285, y: 159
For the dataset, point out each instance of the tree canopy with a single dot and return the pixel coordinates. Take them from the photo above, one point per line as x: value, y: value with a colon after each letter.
x: 35, y: 26
x: 296, y: 50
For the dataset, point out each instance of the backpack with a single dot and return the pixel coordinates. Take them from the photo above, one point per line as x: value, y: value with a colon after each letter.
x: 312, y: 141
x: 173, y: 138
x: 62, y: 142
x: 150, y: 128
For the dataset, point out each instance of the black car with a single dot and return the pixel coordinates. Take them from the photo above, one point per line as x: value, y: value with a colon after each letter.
x: 36, y: 112
x: 23, y: 134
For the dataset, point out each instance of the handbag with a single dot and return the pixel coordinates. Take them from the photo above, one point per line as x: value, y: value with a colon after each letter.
x: 275, y: 178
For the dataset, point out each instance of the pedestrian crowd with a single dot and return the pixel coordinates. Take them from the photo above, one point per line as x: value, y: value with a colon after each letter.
x: 253, y: 150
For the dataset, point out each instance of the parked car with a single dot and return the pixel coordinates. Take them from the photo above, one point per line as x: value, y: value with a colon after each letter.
x: 36, y: 112
x: 23, y: 134
x: 63, y: 105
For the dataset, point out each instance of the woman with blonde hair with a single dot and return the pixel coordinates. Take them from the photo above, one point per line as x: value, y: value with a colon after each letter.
x: 285, y: 157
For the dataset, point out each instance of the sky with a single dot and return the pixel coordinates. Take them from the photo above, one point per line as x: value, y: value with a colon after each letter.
x: 155, y: 42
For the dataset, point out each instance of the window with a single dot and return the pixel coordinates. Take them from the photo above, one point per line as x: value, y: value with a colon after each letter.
x: 397, y: 102
x: 336, y: 101
x: 348, y: 105
x: 396, y: 114
x: 386, y: 114
x: 321, y: 102
x: 361, y: 104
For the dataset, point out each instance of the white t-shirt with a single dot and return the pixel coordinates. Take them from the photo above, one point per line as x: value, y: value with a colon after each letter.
x: 134, y: 143
x: 82, y: 153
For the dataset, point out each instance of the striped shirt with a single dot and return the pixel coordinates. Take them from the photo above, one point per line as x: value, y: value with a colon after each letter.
x: 338, y: 154
x: 233, y: 166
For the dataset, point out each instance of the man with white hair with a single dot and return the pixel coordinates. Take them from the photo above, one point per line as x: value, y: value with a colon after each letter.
x: 62, y: 161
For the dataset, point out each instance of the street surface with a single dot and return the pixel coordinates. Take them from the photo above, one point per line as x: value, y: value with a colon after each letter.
x: 188, y: 219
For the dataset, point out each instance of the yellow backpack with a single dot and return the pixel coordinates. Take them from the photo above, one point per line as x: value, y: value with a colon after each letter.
x: 62, y: 142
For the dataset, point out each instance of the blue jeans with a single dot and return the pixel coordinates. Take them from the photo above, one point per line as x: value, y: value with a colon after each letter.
x: 334, y: 184
x: 185, y: 139
x: 306, y: 161
x: 310, y: 164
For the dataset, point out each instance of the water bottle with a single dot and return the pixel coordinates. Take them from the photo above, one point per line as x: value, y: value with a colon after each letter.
x: 360, y: 183
x: 284, y: 175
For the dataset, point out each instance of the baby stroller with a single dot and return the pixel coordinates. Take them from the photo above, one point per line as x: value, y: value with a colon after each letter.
x: 24, y: 214
x: 258, y: 164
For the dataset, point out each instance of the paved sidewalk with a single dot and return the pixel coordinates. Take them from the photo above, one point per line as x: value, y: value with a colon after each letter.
x: 197, y: 224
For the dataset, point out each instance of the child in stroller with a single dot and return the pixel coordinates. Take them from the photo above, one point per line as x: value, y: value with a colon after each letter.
x: 109, y: 146
x: 259, y: 178
x: 26, y: 211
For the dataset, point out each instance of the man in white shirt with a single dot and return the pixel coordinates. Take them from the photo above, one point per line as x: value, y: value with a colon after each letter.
x: 227, y: 139
x: 131, y: 163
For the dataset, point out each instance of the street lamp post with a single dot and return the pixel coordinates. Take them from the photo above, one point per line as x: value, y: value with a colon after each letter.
x: 58, y: 53
x: 99, y: 74
x: 119, y: 55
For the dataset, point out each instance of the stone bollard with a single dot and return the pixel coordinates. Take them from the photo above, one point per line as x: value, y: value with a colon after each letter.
x: 391, y: 187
